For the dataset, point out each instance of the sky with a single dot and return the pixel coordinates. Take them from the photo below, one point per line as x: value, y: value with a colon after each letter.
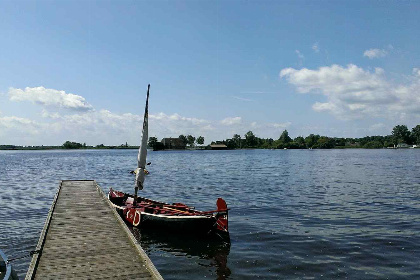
x: 79, y: 70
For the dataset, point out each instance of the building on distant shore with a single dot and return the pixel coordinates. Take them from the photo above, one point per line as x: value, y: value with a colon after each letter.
x: 218, y: 147
x: 173, y: 143
x: 403, y: 146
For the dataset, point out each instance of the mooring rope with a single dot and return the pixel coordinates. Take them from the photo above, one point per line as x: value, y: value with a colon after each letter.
x: 31, y: 253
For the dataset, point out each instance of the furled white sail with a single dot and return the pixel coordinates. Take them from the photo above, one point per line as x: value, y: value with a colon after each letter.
x: 141, y: 158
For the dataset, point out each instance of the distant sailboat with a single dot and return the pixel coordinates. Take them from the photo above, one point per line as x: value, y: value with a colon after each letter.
x: 144, y: 212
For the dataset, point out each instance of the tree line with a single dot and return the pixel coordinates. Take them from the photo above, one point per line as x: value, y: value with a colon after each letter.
x: 190, y: 140
x: 185, y: 139
x: 76, y: 145
x: 400, y: 134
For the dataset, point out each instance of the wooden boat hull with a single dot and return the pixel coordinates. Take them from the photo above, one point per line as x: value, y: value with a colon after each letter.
x: 183, y: 223
x: 175, y: 217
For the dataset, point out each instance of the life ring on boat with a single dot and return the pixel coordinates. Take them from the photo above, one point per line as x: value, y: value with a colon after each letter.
x: 137, y: 218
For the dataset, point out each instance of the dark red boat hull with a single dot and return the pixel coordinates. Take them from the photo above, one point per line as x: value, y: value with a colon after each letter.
x: 177, y: 217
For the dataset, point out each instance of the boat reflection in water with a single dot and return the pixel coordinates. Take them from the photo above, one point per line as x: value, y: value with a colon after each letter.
x: 215, y: 249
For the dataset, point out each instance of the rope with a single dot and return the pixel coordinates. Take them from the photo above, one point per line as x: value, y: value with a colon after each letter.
x: 31, y: 253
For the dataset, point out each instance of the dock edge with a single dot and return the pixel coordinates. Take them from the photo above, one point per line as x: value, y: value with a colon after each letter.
x: 35, y: 258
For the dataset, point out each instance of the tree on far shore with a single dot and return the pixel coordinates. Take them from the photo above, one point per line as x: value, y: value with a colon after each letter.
x: 284, y: 137
x: 200, y: 140
x: 300, y: 142
x: 237, y: 139
x: 190, y: 140
x: 415, y: 134
x: 183, y: 139
x: 373, y: 145
x: 400, y: 134
x: 311, y: 140
x: 250, y: 139
x: 72, y: 145
x: 152, y: 142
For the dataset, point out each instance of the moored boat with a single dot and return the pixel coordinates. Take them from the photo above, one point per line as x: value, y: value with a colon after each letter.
x: 176, y: 217
x: 144, y: 212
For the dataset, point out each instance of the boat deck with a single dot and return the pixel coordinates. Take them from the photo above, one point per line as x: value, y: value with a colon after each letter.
x: 85, y: 238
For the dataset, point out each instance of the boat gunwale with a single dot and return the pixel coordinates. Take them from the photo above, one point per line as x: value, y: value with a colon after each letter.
x: 194, y: 214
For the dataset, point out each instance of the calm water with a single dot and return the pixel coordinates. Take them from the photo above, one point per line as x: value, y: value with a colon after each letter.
x: 295, y: 214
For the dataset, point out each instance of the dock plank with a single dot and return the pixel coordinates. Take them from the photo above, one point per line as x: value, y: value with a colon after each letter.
x: 84, y: 238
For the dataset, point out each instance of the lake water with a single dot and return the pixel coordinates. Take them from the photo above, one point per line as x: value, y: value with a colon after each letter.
x: 295, y: 214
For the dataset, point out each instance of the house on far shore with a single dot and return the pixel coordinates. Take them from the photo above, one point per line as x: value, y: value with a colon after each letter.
x: 403, y: 146
x: 173, y: 143
x: 349, y: 144
x: 218, y: 147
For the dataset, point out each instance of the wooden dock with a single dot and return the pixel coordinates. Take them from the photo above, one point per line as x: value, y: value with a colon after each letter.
x: 85, y: 238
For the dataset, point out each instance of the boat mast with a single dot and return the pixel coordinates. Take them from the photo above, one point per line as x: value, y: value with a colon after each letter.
x: 141, y: 158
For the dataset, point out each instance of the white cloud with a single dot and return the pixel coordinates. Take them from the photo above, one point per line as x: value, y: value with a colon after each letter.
x: 231, y: 121
x: 299, y: 54
x: 375, y: 53
x: 315, y: 47
x: 280, y: 125
x: 46, y: 114
x: 16, y: 126
x: 353, y: 92
x: 9, y: 122
x: 242, y: 99
x: 103, y: 126
x: 64, y: 114
x: 378, y: 127
x: 319, y: 107
x: 176, y: 117
x: 50, y: 97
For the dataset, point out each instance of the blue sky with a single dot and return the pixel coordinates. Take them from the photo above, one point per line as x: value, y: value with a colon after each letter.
x: 78, y: 70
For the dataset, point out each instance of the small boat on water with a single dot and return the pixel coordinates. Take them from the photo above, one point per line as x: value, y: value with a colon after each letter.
x: 175, y: 217
x: 144, y: 212
x: 6, y: 270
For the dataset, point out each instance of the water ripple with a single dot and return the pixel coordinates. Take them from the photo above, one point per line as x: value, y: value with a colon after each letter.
x: 352, y: 214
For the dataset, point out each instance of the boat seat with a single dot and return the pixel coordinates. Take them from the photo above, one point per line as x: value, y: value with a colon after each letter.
x: 129, y: 200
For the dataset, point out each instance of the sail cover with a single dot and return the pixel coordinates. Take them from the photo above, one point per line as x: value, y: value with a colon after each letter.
x: 141, y: 158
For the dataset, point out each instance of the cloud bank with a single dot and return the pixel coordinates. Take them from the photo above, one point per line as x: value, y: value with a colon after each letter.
x: 232, y: 121
x: 50, y: 97
x: 353, y: 92
x: 95, y: 127
x: 104, y: 127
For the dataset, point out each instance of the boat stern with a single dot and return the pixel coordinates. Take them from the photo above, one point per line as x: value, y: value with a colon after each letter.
x: 222, y: 216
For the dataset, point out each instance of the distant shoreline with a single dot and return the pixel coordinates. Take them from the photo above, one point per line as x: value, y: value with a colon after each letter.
x: 44, y: 148
x: 38, y: 148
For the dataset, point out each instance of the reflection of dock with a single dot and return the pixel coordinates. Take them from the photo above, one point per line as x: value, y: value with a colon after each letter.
x: 84, y: 238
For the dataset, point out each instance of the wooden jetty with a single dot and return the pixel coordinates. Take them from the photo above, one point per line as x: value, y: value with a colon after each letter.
x: 85, y: 238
